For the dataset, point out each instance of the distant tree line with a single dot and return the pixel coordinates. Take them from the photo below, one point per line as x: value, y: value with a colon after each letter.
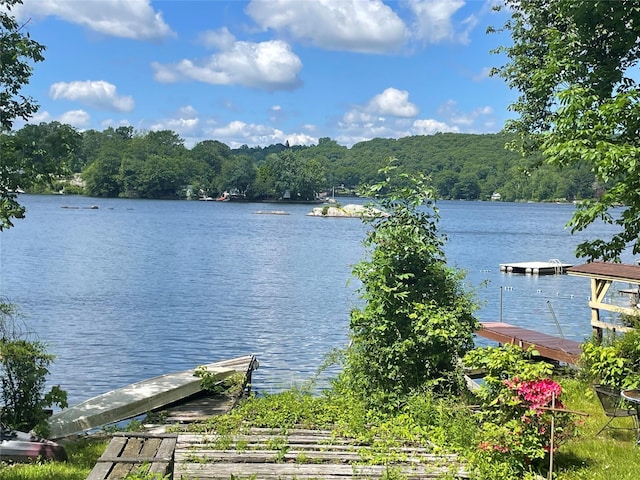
x: 122, y: 162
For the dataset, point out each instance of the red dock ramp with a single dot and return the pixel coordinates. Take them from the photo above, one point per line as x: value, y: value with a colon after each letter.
x: 549, y: 347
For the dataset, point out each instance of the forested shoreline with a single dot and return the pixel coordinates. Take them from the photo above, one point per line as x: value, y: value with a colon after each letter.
x: 122, y: 162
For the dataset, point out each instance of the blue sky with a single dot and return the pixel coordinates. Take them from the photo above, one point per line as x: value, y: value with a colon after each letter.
x: 269, y: 71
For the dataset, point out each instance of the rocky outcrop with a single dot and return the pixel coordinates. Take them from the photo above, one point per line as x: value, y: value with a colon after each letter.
x: 348, y: 211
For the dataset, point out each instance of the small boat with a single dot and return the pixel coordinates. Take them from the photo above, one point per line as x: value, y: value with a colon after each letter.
x: 23, y: 447
x: 141, y: 397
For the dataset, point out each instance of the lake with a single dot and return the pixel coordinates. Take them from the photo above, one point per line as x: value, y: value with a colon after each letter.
x: 138, y: 288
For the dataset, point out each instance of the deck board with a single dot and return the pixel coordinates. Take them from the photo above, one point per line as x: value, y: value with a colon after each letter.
x: 302, y: 454
x: 548, y: 346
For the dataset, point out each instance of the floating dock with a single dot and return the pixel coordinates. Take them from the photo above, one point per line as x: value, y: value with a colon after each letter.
x: 552, y: 267
x: 549, y: 347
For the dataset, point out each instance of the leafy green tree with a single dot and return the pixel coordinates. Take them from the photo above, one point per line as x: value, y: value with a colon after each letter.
x: 102, y: 175
x: 211, y: 152
x: 161, y: 177
x: 238, y: 174
x: 264, y: 184
x: 47, y: 146
x: 17, y: 53
x: 129, y: 175
x: 24, y: 367
x: 467, y: 187
x: 575, y: 65
x: 417, y: 321
x: 295, y: 177
x: 208, y: 157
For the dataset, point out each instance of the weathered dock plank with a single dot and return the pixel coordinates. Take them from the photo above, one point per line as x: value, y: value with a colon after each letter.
x: 303, y: 454
x: 548, y: 346
x: 284, y: 471
x: 129, y: 451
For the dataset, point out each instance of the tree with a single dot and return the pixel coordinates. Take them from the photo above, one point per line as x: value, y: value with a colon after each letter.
x: 575, y: 65
x: 417, y: 321
x: 237, y: 175
x: 295, y: 177
x: 17, y: 51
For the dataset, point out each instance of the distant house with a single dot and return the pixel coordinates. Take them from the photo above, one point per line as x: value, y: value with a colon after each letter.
x: 496, y: 197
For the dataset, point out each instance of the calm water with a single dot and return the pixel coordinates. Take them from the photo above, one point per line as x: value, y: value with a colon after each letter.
x: 138, y: 288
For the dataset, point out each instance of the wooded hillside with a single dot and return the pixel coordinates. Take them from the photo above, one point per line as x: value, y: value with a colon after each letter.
x: 125, y: 163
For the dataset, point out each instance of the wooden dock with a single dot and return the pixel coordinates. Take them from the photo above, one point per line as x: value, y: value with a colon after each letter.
x: 142, y: 397
x: 303, y: 454
x: 128, y: 453
x: 552, y: 267
x: 549, y: 347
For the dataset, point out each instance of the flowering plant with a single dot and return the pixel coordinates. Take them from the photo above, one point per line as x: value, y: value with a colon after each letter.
x: 523, y: 416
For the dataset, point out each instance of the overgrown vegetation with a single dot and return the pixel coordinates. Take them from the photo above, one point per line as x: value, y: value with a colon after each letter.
x: 24, y: 367
x: 417, y: 320
x: 614, y: 362
x: 522, y: 418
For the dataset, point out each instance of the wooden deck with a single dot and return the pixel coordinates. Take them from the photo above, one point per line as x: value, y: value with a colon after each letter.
x: 301, y: 454
x: 548, y: 346
x: 603, y: 275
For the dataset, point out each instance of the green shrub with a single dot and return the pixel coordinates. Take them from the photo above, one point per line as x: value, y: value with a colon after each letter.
x: 417, y: 319
x: 24, y: 367
x: 614, y: 362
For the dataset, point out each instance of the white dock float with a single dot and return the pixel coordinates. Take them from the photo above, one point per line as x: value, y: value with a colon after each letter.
x: 552, y: 267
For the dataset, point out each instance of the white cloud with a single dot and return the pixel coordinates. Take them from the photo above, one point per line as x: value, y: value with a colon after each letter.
x: 40, y: 116
x: 76, y: 118
x: 484, y: 73
x: 134, y: 19
x: 353, y: 25
x: 221, y: 39
x: 386, y: 115
x: 109, y: 122
x: 433, y: 21
x: 185, y: 122
x: 238, y: 133
x: 99, y: 94
x: 449, y: 110
x: 267, y: 66
x: 430, y: 126
x: 393, y: 102
x: 301, y: 139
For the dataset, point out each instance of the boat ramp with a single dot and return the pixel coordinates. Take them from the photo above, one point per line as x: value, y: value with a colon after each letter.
x: 143, y: 397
